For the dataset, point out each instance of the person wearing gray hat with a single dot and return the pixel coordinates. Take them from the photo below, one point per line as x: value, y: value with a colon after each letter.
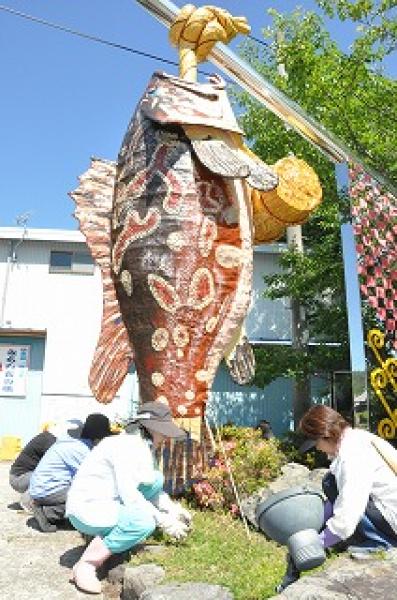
x: 117, y: 495
x: 51, y: 479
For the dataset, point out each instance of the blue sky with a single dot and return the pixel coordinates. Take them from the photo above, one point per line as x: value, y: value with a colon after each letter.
x: 64, y: 99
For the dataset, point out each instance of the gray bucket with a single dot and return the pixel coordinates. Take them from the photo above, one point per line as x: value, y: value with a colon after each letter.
x: 293, y: 518
x: 306, y: 549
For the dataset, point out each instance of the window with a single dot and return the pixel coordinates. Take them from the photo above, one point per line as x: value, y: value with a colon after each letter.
x: 71, y: 262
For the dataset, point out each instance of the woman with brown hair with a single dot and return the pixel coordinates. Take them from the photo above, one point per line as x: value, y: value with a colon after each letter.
x: 361, y: 487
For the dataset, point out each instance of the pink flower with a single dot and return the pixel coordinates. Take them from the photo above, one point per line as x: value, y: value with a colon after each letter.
x: 234, y: 509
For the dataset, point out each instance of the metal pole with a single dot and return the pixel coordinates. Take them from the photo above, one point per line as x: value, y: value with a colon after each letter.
x: 354, y: 314
x: 270, y: 97
x: 5, y: 288
x: 299, y: 336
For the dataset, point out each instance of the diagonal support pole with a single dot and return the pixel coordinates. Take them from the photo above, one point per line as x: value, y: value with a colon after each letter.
x: 272, y: 98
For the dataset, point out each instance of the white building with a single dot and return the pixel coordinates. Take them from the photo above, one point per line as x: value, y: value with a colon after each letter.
x: 51, y: 306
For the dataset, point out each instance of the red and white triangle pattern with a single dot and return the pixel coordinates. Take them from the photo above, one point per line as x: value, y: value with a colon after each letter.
x: 374, y: 213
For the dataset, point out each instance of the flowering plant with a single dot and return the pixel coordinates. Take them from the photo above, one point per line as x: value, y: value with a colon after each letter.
x: 253, y: 462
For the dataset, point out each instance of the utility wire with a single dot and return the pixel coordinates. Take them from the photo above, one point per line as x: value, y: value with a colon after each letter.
x: 86, y: 36
x: 258, y: 41
x: 99, y: 40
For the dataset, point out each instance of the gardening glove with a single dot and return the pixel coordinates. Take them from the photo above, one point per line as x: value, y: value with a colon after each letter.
x: 291, y: 575
x: 328, y: 538
x: 183, y: 514
x: 171, y: 525
x: 164, y: 504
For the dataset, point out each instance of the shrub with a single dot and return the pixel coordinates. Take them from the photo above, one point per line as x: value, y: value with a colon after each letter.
x: 253, y: 462
x: 289, y: 445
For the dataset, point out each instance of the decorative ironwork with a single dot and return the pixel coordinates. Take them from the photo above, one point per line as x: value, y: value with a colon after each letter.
x: 381, y: 377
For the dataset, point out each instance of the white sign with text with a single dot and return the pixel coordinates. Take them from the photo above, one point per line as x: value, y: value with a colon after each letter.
x: 14, y: 365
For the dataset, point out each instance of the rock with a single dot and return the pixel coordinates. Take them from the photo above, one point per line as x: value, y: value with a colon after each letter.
x: 138, y: 579
x: 316, y: 477
x: 190, y: 591
x: 346, y: 579
x: 116, y: 575
x: 292, y: 475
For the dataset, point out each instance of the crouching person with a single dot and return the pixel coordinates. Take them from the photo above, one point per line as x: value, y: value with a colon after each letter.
x: 50, y: 481
x: 117, y: 495
x: 361, y: 485
x: 22, y: 468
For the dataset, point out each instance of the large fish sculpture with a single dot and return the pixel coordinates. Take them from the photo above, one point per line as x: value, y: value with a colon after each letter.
x: 171, y: 226
x: 179, y: 254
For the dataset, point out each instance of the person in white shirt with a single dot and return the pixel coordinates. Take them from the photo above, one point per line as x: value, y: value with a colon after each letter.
x: 361, y: 486
x: 117, y: 495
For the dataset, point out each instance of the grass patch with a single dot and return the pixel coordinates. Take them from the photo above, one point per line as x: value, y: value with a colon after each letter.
x: 218, y: 551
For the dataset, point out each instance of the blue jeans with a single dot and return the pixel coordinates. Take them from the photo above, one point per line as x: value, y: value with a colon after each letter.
x: 134, y: 524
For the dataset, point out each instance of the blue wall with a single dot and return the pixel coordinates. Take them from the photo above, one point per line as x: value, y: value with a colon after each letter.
x: 247, y: 405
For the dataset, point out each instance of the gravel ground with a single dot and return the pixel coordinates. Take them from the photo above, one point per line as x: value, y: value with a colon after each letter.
x: 35, y: 565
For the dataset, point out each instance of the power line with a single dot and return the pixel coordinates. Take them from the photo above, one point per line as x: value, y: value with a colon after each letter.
x: 99, y: 40
x: 86, y: 36
x: 258, y: 41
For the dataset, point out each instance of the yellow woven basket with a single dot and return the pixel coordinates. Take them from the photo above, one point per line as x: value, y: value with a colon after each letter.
x: 298, y: 193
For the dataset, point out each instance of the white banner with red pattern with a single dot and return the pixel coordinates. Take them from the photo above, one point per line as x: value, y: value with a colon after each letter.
x: 374, y: 213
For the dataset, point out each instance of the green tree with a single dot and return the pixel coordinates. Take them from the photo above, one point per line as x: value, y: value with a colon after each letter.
x: 376, y: 26
x: 352, y: 98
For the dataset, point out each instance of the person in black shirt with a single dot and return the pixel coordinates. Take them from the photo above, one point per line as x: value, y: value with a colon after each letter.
x: 266, y: 430
x: 22, y: 468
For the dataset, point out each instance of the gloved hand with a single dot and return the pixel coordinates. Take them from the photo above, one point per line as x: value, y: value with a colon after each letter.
x: 171, y: 525
x: 164, y: 504
x: 328, y: 538
x: 181, y: 513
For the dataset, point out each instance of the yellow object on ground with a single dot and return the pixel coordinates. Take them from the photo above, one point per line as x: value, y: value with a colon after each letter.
x: 10, y: 447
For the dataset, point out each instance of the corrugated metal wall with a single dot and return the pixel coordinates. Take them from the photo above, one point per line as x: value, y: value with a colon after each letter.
x: 247, y: 405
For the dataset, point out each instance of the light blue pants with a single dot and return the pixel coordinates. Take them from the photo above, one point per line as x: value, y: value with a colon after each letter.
x: 134, y: 524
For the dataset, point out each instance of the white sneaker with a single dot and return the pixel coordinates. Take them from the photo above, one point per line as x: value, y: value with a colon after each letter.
x: 26, y: 503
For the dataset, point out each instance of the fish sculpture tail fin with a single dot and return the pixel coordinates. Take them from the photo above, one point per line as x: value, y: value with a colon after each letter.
x: 113, y: 354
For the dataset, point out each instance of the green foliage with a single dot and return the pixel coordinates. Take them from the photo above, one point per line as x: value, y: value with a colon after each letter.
x: 316, y: 279
x: 218, y: 552
x: 289, y: 445
x: 340, y: 90
x: 255, y: 461
x: 345, y: 94
x: 252, y: 460
x: 377, y: 25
